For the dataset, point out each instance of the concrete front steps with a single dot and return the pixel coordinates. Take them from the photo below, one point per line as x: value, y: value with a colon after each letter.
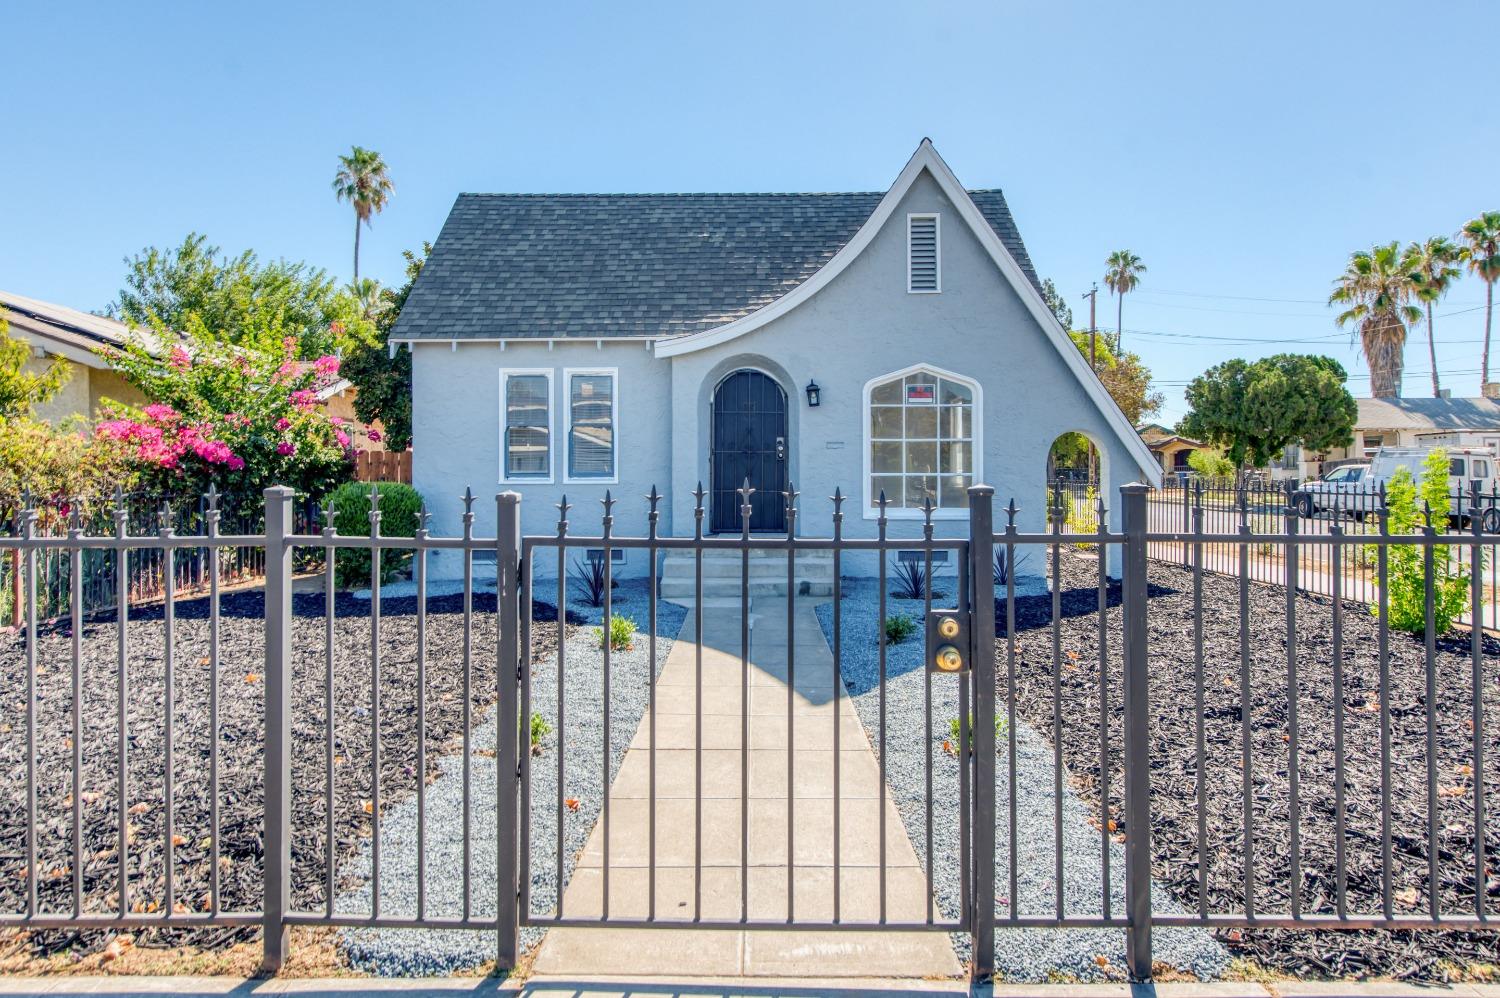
x: 768, y: 575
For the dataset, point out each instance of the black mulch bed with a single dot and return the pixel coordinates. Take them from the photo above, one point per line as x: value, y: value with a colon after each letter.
x: 241, y: 759
x: 1424, y: 954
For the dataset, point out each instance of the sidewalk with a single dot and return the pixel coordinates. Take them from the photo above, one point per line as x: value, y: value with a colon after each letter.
x: 815, y: 704
x: 581, y: 986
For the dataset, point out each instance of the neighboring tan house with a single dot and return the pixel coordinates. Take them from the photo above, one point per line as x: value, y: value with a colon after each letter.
x: 890, y: 342
x: 1172, y: 450
x: 1409, y: 422
x: 58, y: 331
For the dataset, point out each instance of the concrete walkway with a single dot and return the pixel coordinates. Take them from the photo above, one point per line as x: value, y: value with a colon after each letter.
x: 581, y: 986
x: 812, y: 702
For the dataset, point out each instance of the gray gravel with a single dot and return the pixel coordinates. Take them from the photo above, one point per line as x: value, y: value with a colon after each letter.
x: 425, y: 952
x: 1024, y: 955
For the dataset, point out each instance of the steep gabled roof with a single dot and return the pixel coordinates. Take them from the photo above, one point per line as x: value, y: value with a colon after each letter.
x: 618, y: 265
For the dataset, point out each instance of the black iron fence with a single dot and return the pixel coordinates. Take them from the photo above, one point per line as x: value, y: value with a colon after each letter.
x: 1324, y: 768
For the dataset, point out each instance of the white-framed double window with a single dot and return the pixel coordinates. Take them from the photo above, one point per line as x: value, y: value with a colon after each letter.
x: 526, y: 425
x: 923, y: 441
x: 592, y: 444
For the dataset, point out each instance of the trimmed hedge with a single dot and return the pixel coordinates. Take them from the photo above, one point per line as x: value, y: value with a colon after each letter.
x: 399, y: 506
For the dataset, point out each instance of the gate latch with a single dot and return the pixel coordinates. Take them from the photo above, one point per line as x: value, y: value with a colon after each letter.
x: 948, y: 641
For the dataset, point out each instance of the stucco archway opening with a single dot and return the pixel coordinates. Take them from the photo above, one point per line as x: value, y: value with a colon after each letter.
x: 1076, y: 476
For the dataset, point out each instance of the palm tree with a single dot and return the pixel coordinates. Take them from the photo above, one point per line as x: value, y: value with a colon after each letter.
x: 363, y: 182
x: 1432, y: 267
x: 1378, y: 290
x: 1123, y: 274
x: 368, y: 293
x: 1481, y: 239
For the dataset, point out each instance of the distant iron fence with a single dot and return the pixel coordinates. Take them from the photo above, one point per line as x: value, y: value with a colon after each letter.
x: 98, y: 582
x: 1333, y: 556
x: 332, y: 724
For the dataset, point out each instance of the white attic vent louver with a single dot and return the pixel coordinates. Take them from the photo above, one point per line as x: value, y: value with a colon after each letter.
x: 922, y: 254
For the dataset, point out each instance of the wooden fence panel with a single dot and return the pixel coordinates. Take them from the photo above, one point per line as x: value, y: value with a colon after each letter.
x: 383, y: 466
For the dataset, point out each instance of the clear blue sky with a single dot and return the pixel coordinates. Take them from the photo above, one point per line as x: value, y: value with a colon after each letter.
x: 1242, y: 150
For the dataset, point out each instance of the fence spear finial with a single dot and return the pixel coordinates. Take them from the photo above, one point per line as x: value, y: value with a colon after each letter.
x: 562, y: 515
x: 1011, y: 510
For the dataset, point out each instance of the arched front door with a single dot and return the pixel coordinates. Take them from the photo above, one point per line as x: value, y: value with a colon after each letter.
x: 748, y: 441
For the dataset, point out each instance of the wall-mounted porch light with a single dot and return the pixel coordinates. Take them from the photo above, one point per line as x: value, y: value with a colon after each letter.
x: 813, y: 391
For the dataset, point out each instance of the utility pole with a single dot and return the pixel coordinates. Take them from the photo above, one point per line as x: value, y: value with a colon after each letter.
x: 1093, y: 296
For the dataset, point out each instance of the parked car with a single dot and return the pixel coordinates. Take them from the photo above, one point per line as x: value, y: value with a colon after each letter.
x: 1356, y: 489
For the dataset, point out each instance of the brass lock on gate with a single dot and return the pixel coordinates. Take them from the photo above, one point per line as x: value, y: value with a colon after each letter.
x: 947, y: 642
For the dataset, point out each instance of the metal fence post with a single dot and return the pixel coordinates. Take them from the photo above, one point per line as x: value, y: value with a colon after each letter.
x: 1137, y: 751
x: 982, y: 658
x: 508, y: 726
x: 278, y: 613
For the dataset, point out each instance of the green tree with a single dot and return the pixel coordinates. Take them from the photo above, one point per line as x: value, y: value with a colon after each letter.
x: 1210, y: 462
x: 1481, y: 239
x: 1254, y: 410
x: 1056, y: 305
x: 1127, y: 380
x: 383, y: 379
x: 1376, y: 290
x: 239, y: 299
x: 1432, y: 267
x: 1123, y: 274
x: 22, y: 390
x: 364, y: 182
x: 1409, y: 503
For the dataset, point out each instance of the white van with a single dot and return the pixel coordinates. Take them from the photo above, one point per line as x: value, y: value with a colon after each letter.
x: 1354, y: 489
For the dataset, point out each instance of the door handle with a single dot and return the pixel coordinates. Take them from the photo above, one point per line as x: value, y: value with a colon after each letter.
x: 781, y: 448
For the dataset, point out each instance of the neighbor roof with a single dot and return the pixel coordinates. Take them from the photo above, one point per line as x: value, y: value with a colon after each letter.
x: 618, y: 265
x: 1428, y: 414
x: 64, y: 327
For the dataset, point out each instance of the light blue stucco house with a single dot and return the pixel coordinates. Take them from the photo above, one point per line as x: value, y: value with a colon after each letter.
x: 896, y: 342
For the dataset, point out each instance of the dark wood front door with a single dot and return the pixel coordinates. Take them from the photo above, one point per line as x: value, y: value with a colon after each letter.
x: 749, y: 441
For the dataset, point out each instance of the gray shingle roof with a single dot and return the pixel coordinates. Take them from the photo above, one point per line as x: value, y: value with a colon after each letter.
x: 608, y: 265
x: 1429, y: 414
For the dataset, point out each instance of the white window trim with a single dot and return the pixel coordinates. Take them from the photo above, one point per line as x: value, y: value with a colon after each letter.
x: 551, y: 476
x: 976, y: 476
x: 614, y: 416
x: 937, y: 247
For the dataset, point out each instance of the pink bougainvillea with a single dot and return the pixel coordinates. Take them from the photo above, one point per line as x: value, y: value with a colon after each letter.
x: 238, y: 419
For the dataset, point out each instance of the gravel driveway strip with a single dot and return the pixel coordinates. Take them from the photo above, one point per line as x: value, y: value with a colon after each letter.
x: 427, y: 952
x: 1025, y: 955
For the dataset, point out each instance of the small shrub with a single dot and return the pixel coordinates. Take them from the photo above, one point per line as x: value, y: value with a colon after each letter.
x: 1210, y: 463
x: 621, y: 633
x: 899, y: 627
x: 588, y: 574
x: 1002, y: 726
x: 1406, y: 588
x: 912, y: 580
x: 1083, y: 517
x: 399, y: 506
x: 540, y: 729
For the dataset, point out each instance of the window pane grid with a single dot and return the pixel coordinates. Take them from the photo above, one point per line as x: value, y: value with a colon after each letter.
x: 921, y: 441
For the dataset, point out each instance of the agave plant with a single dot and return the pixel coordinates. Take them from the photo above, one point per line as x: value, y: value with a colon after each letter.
x: 1376, y: 290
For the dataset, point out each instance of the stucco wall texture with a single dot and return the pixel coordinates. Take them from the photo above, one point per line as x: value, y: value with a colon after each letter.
x: 863, y: 325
